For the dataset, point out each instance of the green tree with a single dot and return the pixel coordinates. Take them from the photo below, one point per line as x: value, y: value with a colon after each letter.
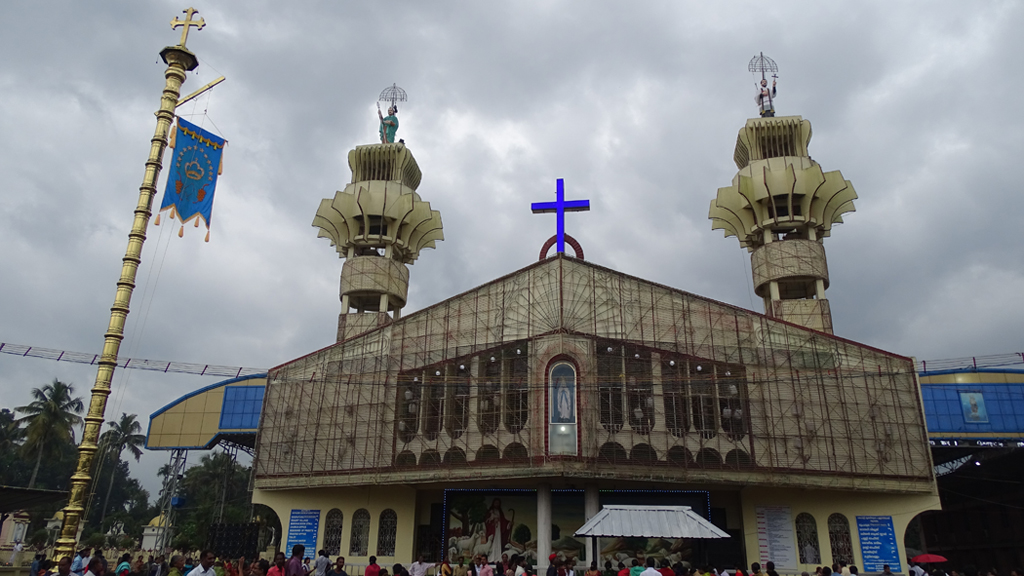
x: 11, y: 432
x: 123, y: 434
x: 50, y: 421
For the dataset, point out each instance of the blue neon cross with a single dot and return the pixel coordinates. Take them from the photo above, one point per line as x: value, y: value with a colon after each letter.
x: 560, y: 206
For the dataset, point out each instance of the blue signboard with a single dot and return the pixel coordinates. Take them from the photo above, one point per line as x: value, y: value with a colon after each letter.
x: 878, y: 543
x: 303, y: 526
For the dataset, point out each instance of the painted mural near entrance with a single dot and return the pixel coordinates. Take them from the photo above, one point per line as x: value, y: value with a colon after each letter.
x: 505, y: 522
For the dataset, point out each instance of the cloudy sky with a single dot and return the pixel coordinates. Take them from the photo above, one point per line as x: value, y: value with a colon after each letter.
x: 635, y: 105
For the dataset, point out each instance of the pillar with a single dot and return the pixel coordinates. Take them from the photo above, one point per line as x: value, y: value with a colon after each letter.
x: 543, y: 526
x: 591, y: 506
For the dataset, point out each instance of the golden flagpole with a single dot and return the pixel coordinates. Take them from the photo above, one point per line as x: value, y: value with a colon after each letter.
x: 179, y: 60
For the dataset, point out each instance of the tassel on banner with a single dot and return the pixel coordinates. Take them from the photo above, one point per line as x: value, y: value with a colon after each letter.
x: 181, y: 232
x: 197, y: 222
x: 174, y: 137
x: 157, y: 221
x: 220, y: 168
x: 207, y: 234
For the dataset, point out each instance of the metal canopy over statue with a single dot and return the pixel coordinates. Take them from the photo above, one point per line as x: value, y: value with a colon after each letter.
x: 764, y: 98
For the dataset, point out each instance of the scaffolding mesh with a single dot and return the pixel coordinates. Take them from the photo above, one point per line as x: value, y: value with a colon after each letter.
x: 671, y: 387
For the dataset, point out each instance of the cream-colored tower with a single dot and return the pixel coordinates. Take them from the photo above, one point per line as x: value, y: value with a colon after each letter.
x: 378, y: 224
x: 781, y: 205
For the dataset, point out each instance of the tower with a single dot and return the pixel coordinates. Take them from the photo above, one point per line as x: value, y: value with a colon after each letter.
x: 780, y: 206
x: 378, y: 224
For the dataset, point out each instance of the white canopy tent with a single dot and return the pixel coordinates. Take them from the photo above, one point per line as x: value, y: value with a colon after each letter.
x: 669, y: 522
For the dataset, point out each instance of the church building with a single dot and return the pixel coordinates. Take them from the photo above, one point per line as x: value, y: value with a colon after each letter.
x: 500, y: 420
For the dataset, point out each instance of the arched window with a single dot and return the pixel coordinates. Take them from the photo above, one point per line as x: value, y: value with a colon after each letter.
x: 639, y: 390
x: 458, y: 399
x: 387, y: 529
x: 433, y: 402
x: 517, y: 373
x: 562, y: 414
x: 609, y: 384
x: 702, y: 396
x: 332, y: 532
x: 489, y: 393
x: 360, y: 541
x: 807, y: 539
x: 673, y: 384
x: 839, y: 538
x: 732, y: 384
x: 409, y: 392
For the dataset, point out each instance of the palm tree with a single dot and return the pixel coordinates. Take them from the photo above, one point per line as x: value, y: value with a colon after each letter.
x: 123, y: 434
x: 11, y: 432
x: 51, y: 418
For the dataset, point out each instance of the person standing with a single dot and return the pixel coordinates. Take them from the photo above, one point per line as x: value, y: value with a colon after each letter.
x: 372, y: 569
x: 338, y: 569
x: 177, y: 565
x: 419, y: 567
x: 665, y: 569
x: 124, y: 567
x: 81, y: 562
x: 205, y: 566
x: 294, y: 567
x: 95, y: 567
x: 461, y: 569
x: 278, y: 568
x: 650, y: 570
x: 322, y: 563
x: 64, y: 566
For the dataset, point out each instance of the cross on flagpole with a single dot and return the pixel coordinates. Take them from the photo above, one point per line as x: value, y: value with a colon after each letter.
x: 560, y: 206
x: 188, y: 22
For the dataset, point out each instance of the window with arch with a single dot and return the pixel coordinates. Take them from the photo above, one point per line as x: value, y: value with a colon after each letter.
x: 839, y: 538
x: 458, y: 382
x: 332, y: 532
x: 409, y: 392
x: 489, y: 393
x: 639, y: 390
x: 807, y: 539
x: 702, y: 397
x: 387, y: 530
x: 433, y: 402
x: 677, y: 405
x: 517, y: 373
x: 562, y: 412
x: 359, y: 543
x: 609, y: 384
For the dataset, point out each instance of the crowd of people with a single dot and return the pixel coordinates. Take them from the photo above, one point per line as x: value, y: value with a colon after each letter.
x: 86, y: 563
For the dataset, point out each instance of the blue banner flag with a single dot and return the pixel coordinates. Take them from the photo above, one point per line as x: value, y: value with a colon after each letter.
x: 192, y: 177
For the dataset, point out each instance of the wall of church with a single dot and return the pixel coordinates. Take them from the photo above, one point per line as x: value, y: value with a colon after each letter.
x: 369, y: 503
x: 670, y: 387
x: 810, y: 528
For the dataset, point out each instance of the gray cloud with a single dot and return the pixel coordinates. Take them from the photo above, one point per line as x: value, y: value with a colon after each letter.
x: 636, y: 106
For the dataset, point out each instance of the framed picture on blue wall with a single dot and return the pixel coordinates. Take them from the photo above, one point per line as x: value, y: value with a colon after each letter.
x: 973, y: 404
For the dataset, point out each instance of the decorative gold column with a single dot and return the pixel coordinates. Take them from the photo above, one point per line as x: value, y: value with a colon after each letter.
x: 179, y: 60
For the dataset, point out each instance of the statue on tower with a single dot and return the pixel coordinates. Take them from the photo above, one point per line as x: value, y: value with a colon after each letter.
x: 765, y: 97
x: 389, y: 123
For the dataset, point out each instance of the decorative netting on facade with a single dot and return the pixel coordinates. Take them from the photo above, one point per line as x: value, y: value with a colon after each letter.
x: 659, y: 385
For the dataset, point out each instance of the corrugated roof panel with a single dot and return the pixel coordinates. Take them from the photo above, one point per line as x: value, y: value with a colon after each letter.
x: 615, y: 521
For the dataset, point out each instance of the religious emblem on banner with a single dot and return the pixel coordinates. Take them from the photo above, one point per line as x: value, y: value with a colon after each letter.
x: 193, y: 176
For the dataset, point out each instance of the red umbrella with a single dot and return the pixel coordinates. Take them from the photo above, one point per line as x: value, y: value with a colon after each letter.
x: 929, y: 559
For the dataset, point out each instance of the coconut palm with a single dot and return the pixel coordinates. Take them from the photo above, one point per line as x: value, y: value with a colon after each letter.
x: 11, y: 432
x: 50, y: 419
x: 123, y: 434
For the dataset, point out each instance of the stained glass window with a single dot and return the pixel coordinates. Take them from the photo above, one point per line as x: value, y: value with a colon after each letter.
x: 387, y: 530
x: 807, y: 539
x: 839, y: 538
x: 332, y: 532
x: 360, y: 541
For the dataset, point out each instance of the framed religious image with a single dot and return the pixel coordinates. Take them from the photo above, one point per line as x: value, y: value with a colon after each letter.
x: 973, y: 404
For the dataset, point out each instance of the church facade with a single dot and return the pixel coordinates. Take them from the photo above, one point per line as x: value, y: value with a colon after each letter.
x: 500, y: 420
